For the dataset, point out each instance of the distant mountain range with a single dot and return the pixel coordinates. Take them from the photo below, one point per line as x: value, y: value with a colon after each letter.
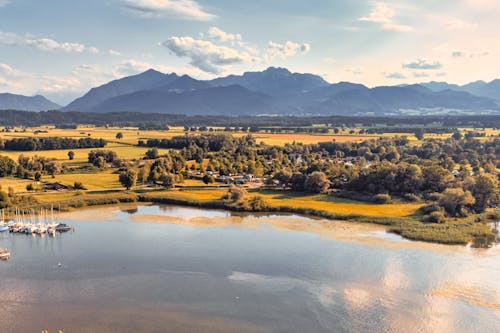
x: 478, y: 88
x: 26, y: 103
x: 277, y: 91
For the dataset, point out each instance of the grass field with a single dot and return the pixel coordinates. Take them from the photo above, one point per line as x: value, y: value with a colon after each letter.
x: 92, y: 181
x: 19, y: 185
x: 124, y: 151
x: 339, y: 205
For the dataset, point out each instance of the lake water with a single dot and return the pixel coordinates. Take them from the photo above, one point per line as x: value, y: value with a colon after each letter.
x: 175, y: 269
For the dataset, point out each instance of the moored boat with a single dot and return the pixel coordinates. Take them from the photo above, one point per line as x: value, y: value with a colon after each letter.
x: 4, y: 254
x: 62, y: 227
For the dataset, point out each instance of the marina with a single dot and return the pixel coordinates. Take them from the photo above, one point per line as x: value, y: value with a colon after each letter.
x: 35, y: 223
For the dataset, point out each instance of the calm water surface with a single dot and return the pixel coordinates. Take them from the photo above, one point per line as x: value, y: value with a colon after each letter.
x: 211, y: 271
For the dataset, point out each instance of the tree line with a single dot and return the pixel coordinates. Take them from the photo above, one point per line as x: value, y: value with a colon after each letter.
x: 50, y: 143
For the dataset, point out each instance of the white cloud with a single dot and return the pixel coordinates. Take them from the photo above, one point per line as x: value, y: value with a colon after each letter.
x: 394, y: 75
x: 206, y: 55
x: 43, y: 43
x: 217, y: 34
x: 479, y: 54
x: 4, y: 2
x: 355, y: 70
x: 212, y: 57
x: 383, y: 14
x: 114, y: 52
x: 423, y: 64
x: 458, y: 24
x: 420, y: 74
x: 285, y: 50
x: 180, y: 9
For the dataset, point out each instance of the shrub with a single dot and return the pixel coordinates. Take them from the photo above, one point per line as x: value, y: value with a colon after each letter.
x: 430, y: 208
x: 435, y: 217
x: 382, y: 198
x: 79, y: 186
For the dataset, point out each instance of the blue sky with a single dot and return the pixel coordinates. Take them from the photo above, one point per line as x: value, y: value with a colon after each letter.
x: 61, y: 48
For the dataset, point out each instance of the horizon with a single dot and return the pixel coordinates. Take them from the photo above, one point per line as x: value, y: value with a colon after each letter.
x: 66, y: 49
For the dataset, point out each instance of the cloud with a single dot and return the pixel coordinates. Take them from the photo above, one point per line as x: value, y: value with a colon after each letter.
x: 212, y: 57
x: 206, y: 55
x: 479, y: 54
x: 179, y: 9
x: 395, y: 75
x: 44, y: 44
x: 355, y: 70
x: 285, y: 50
x: 383, y: 14
x: 458, y: 24
x: 420, y: 74
x: 4, y: 2
x: 423, y: 64
x: 114, y: 52
x: 217, y: 34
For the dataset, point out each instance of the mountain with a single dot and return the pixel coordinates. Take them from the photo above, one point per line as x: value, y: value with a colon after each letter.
x: 26, y: 103
x: 277, y: 82
x: 478, y: 88
x: 277, y: 91
x: 412, y: 99
x: 229, y: 101
x: 144, y: 81
x: 184, y: 83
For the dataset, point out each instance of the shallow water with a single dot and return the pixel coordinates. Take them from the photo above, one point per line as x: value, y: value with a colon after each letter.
x: 176, y: 269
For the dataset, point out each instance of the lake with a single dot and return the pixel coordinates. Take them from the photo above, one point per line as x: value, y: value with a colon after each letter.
x: 166, y: 268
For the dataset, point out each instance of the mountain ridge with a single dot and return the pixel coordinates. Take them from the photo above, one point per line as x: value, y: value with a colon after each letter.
x: 10, y: 101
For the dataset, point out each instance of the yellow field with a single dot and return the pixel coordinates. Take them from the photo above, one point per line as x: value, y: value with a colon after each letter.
x: 124, y: 151
x: 19, y: 185
x: 92, y: 181
x: 339, y: 205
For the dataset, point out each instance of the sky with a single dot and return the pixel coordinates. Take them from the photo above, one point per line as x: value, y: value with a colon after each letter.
x: 62, y: 48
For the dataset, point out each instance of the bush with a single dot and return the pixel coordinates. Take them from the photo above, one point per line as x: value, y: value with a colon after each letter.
x: 79, y: 186
x: 236, y: 193
x: 257, y: 203
x: 382, y: 198
x: 435, y: 217
x: 430, y: 208
x: 411, y: 197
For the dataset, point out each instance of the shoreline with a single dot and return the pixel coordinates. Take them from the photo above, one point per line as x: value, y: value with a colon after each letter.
x: 457, y: 233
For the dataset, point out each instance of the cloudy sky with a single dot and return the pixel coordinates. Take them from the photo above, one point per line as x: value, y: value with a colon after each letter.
x: 61, y: 48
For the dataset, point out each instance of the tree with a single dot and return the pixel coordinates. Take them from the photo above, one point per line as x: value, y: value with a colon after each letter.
x: 7, y: 166
x: 485, y: 191
x: 128, y: 178
x: 236, y: 193
x: 119, y: 135
x: 168, y: 180
x: 4, y: 199
x: 152, y: 154
x: 52, y: 168
x: 317, y: 182
x: 457, y: 135
x: 419, y: 133
x: 207, y: 179
x: 71, y: 155
x: 297, y: 181
x: 455, y: 200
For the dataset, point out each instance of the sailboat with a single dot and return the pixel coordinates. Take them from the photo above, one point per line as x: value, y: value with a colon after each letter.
x: 3, y: 226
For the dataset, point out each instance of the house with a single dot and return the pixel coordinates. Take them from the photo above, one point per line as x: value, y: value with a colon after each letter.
x: 55, y: 186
